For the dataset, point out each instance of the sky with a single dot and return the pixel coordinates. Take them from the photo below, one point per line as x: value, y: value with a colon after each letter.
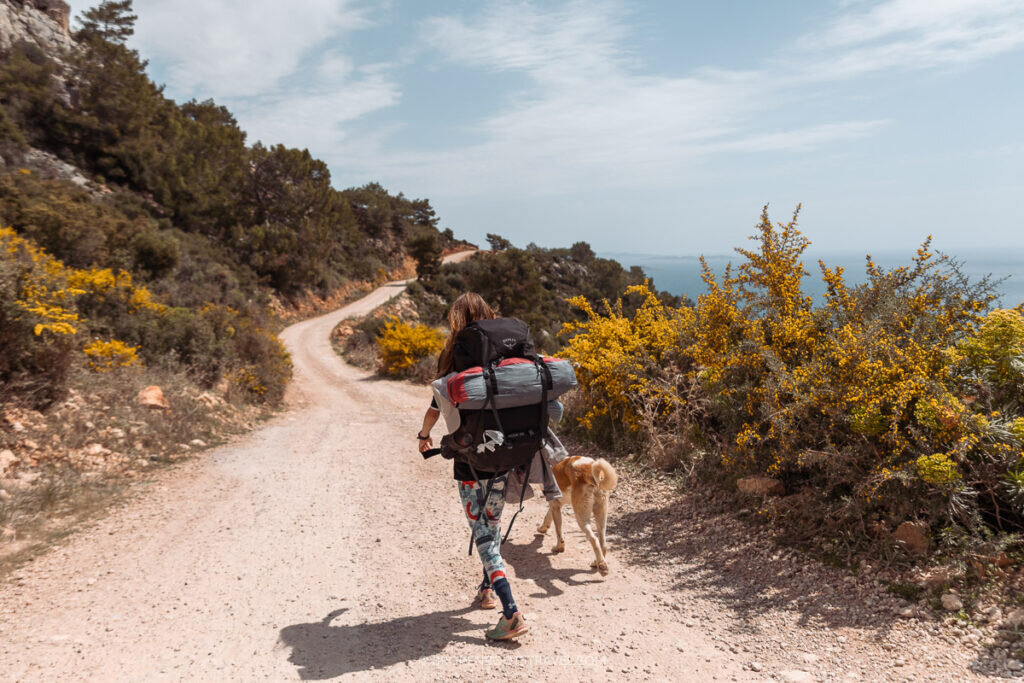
x: 657, y: 127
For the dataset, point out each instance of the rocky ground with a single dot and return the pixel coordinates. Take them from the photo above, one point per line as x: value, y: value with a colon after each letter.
x: 789, y: 616
x: 60, y: 466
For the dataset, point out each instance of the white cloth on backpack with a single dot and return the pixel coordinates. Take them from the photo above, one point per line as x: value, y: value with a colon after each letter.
x: 449, y: 413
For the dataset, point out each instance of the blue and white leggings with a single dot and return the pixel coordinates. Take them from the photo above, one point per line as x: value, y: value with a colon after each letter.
x: 487, y: 535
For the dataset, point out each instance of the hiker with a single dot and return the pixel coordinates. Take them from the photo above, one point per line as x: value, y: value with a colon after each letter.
x: 470, y: 307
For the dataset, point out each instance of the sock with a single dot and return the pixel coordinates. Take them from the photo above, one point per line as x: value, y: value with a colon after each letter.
x: 504, y: 591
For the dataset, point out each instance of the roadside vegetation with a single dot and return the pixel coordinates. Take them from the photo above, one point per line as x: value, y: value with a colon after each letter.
x: 147, y: 241
x: 886, y: 419
x: 402, y: 338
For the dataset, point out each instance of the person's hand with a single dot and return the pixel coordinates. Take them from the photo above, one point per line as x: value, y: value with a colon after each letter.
x: 426, y: 444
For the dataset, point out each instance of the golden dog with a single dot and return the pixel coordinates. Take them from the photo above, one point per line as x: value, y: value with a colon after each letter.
x: 585, y: 484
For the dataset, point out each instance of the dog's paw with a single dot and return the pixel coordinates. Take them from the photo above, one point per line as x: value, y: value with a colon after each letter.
x: 559, y: 548
x: 542, y: 529
x: 601, y: 567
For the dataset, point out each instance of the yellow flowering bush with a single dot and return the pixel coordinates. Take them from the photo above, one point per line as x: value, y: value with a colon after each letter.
x: 108, y: 355
x: 39, y: 320
x: 618, y: 358
x: 45, y: 292
x: 401, y: 345
x: 882, y: 396
x: 938, y: 469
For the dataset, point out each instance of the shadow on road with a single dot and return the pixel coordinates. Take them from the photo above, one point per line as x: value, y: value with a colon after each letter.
x: 322, y: 650
x: 709, y: 552
x: 532, y: 561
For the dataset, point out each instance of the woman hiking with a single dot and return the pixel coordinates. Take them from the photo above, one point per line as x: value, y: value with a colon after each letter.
x: 470, y: 307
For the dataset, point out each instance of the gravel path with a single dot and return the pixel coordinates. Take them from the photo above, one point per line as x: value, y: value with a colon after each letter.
x: 323, y: 546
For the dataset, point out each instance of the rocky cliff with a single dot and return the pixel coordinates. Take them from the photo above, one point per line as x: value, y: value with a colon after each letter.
x: 40, y: 22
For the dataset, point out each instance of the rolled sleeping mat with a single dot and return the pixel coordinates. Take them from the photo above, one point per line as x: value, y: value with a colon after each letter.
x: 519, y: 382
x: 452, y: 420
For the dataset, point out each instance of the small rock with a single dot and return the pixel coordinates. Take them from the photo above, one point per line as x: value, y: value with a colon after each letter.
x: 96, y: 449
x: 198, y: 443
x: 912, y: 536
x: 993, y: 615
x: 117, y: 433
x: 755, y: 666
x: 796, y: 676
x: 760, y: 486
x: 4, y: 496
x: 8, y: 533
x: 951, y: 602
x: 30, y: 444
x: 1014, y: 619
x: 153, y: 397
x: 7, y: 460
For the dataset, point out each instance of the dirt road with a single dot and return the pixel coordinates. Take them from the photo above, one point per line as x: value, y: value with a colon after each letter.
x: 323, y: 546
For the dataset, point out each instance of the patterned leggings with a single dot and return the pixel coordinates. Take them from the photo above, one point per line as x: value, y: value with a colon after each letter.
x: 487, y: 537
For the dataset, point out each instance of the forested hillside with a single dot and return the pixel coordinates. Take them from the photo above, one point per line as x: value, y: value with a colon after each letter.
x: 167, y: 201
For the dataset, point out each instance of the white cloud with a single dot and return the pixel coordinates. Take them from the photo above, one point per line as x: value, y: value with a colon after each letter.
x: 589, y: 116
x: 280, y: 66
x: 314, y: 116
x: 917, y: 34
x: 231, y: 48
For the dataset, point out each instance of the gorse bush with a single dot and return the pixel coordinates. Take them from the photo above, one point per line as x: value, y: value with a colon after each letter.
x: 52, y: 316
x: 401, y: 346
x: 108, y: 355
x: 896, y: 398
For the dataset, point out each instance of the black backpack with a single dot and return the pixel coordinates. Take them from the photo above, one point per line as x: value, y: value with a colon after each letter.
x: 492, y: 439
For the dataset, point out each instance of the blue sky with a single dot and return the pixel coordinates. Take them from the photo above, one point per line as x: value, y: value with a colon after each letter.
x: 642, y: 127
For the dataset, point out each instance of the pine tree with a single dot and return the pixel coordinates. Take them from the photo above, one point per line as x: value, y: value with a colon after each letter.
x: 111, y: 20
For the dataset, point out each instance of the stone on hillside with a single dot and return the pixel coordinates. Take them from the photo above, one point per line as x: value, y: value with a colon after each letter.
x: 1014, y: 619
x: 7, y: 460
x: 153, y: 397
x: 912, y: 536
x: 760, y: 486
x: 13, y: 484
x: 96, y: 449
x: 951, y: 602
x: 8, y: 533
x: 209, y: 400
x: 796, y: 676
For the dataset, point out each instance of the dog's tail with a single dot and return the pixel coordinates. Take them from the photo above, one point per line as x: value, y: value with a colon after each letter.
x: 605, y: 477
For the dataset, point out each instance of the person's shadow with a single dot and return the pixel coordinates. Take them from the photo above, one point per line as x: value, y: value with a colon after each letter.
x: 321, y: 650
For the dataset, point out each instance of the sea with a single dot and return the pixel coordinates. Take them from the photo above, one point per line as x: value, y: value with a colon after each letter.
x: 680, y: 275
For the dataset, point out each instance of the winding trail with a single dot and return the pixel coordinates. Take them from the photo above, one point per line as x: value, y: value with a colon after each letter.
x: 323, y: 546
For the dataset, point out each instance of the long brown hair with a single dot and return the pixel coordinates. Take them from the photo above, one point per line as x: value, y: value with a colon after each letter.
x: 469, y: 307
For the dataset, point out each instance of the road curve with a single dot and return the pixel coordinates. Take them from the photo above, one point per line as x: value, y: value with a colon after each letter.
x: 323, y: 546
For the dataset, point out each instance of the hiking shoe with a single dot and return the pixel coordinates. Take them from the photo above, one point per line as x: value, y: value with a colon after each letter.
x: 507, y: 629
x: 487, y: 598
